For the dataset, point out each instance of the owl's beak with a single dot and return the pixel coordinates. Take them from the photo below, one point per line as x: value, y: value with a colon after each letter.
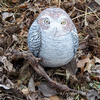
x: 55, y: 31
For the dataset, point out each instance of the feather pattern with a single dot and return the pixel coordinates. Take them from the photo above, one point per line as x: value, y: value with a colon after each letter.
x: 75, y: 39
x: 34, y: 38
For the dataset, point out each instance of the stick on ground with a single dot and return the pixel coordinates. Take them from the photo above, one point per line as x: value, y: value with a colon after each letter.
x: 33, y: 61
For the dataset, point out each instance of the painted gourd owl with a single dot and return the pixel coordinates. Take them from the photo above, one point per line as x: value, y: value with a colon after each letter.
x: 53, y: 37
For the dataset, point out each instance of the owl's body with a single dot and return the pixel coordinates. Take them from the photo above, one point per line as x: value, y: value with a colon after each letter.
x: 53, y: 37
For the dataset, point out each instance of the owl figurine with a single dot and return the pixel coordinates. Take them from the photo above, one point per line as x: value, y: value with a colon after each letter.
x: 53, y: 37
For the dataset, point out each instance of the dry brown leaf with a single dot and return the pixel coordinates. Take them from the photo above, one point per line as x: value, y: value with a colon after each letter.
x: 92, y: 94
x: 11, y: 91
x: 89, y: 65
x: 96, y: 73
x: 46, y: 89
x: 54, y: 98
x: 1, y: 51
x: 25, y: 91
x: 14, y: 1
x: 71, y: 77
x: 83, y: 45
x: 7, y: 65
x: 8, y: 17
x: 97, y: 60
x: 14, y: 37
x: 85, y: 63
x: 23, y: 5
x: 25, y: 74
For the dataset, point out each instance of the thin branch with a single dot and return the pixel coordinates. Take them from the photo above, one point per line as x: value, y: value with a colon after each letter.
x: 83, y: 15
x: 94, y: 13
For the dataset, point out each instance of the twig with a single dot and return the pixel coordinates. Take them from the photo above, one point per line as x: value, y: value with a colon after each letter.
x: 9, y: 47
x: 59, y: 2
x: 39, y: 69
x: 49, y: 3
x: 94, y: 13
x: 4, y: 4
x: 79, y: 10
x: 83, y: 15
x: 86, y: 23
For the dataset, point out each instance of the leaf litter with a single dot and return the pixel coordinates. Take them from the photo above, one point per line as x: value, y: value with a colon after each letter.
x: 19, y: 81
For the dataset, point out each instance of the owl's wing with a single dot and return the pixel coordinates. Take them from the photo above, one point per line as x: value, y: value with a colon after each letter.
x: 34, y: 38
x: 75, y: 39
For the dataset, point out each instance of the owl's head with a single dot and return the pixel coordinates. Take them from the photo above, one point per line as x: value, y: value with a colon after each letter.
x: 55, y: 22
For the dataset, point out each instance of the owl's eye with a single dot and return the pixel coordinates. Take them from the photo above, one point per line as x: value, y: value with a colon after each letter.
x: 46, y: 21
x: 63, y: 22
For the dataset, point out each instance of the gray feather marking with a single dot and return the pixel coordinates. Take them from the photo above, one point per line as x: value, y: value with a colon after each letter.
x: 75, y: 39
x: 34, y: 39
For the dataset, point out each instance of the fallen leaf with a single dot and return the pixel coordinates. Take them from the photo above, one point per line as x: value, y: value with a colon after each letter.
x: 7, y: 65
x: 46, y: 89
x: 24, y: 5
x: 54, y: 98
x: 14, y: 37
x: 8, y: 17
x: 97, y: 1
x: 25, y: 91
x: 83, y: 45
x: 70, y: 98
x: 92, y: 94
x: 31, y: 86
x: 1, y: 51
x: 96, y: 73
x: 71, y: 66
x: 85, y: 63
x: 14, y: 1
x: 11, y: 91
x: 97, y: 60
x: 1, y: 71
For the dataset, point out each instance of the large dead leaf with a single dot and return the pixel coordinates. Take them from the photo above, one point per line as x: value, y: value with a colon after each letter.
x: 31, y: 87
x: 86, y: 63
x: 46, y: 89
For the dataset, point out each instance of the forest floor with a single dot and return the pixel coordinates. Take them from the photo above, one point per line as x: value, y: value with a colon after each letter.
x: 19, y: 81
